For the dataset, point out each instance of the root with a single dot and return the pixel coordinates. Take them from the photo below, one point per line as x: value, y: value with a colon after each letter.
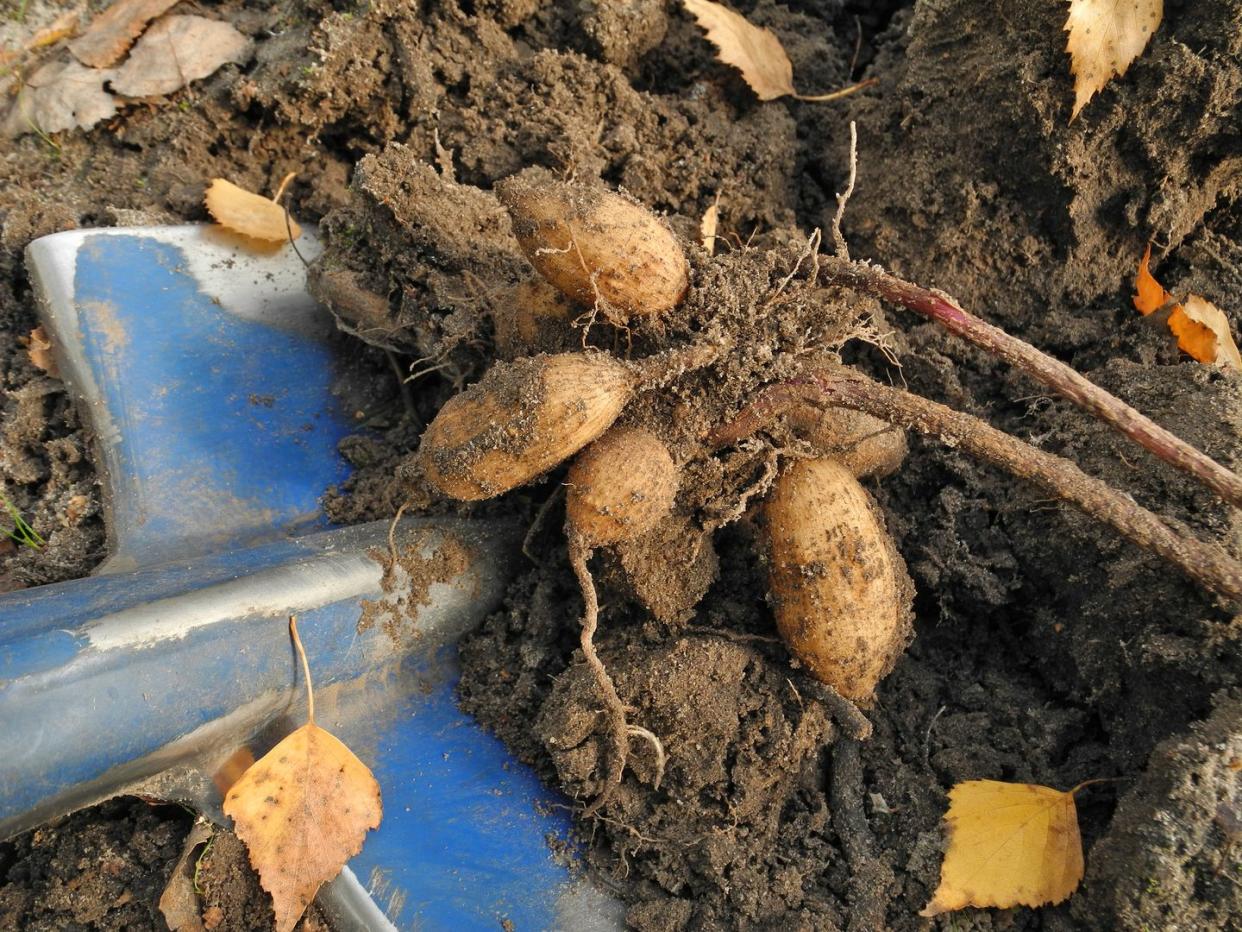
x: 1068, y: 383
x: 1203, y: 562
x: 614, y: 709
x: 637, y: 731
x: 870, y: 875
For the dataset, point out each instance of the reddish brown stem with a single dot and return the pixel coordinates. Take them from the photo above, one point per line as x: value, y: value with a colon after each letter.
x: 941, y: 308
x: 1206, y: 563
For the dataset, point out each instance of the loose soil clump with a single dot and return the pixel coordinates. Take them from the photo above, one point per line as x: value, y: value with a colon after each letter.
x: 1047, y: 649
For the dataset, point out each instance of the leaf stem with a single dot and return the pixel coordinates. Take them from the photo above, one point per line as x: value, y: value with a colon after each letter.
x: 310, y: 689
x: 1053, y: 373
x: 837, y: 94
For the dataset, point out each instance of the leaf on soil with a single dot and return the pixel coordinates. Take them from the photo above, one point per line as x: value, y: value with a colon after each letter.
x: 114, y: 30
x: 247, y: 213
x: 303, y: 810
x: 61, y: 95
x: 1010, y: 844
x: 40, y: 350
x: 754, y: 51
x: 1104, y: 37
x: 179, y: 901
x: 176, y: 51
x: 62, y: 27
x: 1201, y: 328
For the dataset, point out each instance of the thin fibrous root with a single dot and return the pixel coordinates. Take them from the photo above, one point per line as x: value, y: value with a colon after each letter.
x: 1068, y: 383
x: 614, y: 708
x: 1203, y: 562
x: 661, y: 759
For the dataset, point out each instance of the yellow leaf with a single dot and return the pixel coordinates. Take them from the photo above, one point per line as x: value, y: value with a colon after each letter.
x: 1009, y: 844
x: 302, y: 810
x: 1104, y: 37
x: 1149, y: 294
x: 249, y: 214
x: 1201, y: 328
x: 755, y: 52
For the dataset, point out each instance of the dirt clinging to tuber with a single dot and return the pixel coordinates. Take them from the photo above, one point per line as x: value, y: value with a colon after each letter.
x: 1047, y: 649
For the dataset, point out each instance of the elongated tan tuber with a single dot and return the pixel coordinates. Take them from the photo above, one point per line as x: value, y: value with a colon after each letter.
x: 620, y: 486
x: 596, y: 246
x: 840, y: 591
x: 521, y: 419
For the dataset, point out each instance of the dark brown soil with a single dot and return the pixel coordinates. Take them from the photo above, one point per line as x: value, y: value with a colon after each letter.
x: 1047, y: 649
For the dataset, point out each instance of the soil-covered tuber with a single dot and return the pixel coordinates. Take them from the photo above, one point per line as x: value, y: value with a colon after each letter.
x: 840, y: 590
x: 620, y: 486
x: 596, y: 246
x: 521, y: 419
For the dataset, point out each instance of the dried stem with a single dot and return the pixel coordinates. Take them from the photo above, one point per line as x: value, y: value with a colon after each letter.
x: 1206, y: 563
x: 1056, y: 375
x: 310, y: 689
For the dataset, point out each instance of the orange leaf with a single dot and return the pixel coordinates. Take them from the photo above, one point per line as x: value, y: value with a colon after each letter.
x: 1149, y: 293
x: 303, y: 810
x: 1009, y: 844
x: 1203, y: 331
x: 1201, y: 328
x: 247, y: 213
x: 1105, y: 36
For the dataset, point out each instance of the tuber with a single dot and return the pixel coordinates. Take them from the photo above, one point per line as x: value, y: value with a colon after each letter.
x: 620, y: 486
x: 840, y: 591
x: 521, y: 419
x: 535, y: 317
x: 596, y: 246
x: 865, y: 445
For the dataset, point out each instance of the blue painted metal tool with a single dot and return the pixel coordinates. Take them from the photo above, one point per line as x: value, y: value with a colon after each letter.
x: 206, y: 374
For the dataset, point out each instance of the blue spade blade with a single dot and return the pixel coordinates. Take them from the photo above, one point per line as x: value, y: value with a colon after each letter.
x: 206, y: 374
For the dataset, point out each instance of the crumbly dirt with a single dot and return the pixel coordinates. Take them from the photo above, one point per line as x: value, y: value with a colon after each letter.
x: 1047, y: 649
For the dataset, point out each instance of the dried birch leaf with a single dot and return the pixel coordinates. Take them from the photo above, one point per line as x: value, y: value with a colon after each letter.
x: 1104, y: 37
x: 62, y: 27
x: 1207, y: 329
x: 179, y: 901
x: 114, y: 30
x: 176, y: 51
x: 248, y: 213
x: 1201, y: 328
x: 755, y: 52
x: 303, y: 810
x: 59, y: 96
x: 1010, y: 844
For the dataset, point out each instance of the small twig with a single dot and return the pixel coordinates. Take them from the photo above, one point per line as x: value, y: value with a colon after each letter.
x: 941, y: 308
x: 843, y: 198
x: 836, y: 95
